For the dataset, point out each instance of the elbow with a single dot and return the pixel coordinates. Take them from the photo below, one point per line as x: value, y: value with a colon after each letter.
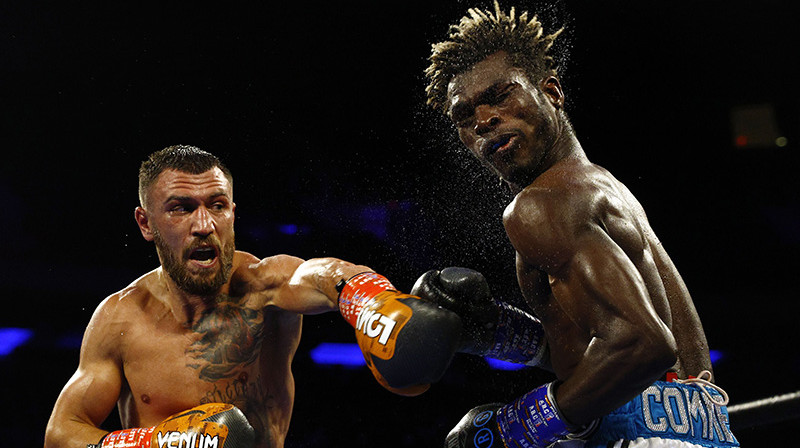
x: 657, y: 352
x: 51, y: 436
x: 646, y: 355
x: 665, y: 354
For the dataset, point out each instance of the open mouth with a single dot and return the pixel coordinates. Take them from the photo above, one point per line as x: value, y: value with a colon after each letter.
x: 204, y: 256
x: 498, y: 144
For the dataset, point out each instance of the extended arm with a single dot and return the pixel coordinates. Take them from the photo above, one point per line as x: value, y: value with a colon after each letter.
x: 306, y: 286
x: 407, y: 343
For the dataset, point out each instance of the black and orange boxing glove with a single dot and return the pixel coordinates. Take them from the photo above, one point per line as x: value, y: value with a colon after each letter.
x: 217, y: 425
x: 407, y: 343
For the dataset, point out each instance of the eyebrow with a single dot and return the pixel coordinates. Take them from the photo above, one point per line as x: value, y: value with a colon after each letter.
x: 480, y: 98
x: 191, y: 198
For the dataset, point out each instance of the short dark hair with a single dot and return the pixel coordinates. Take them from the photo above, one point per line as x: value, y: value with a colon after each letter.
x: 185, y: 158
x: 482, y: 33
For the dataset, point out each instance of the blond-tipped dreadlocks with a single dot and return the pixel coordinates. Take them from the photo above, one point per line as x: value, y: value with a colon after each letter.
x: 481, y: 34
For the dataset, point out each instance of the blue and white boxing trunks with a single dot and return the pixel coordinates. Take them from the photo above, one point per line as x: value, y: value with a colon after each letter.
x: 666, y: 415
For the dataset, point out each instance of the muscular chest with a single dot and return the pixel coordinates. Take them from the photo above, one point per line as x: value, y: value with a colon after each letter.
x: 169, y: 368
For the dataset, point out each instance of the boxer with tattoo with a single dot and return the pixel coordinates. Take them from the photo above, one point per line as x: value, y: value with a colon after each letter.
x: 211, y: 325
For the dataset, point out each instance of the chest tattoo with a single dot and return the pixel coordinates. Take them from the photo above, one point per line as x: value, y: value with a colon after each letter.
x: 227, y: 338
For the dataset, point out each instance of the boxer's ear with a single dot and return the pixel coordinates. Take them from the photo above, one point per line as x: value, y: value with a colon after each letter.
x: 143, y: 221
x: 551, y: 87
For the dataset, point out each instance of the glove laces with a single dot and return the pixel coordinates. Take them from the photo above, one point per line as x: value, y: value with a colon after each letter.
x: 703, y: 380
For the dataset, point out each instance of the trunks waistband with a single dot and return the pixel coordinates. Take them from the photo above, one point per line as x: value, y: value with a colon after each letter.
x: 670, y: 410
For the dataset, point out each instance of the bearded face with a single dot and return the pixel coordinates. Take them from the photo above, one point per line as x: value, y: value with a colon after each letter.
x: 190, y: 219
x: 203, y: 282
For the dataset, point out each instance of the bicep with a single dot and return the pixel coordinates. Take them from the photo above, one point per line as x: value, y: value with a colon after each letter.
x: 91, y: 394
x: 601, y: 289
x: 88, y: 397
x: 628, y: 345
x: 593, y: 279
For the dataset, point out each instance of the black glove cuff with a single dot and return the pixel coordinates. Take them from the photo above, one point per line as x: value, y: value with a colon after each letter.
x: 340, y: 284
x: 98, y: 444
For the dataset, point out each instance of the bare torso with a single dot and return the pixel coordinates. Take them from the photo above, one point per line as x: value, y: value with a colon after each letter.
x: 238, y: 351
x: 575, y: 194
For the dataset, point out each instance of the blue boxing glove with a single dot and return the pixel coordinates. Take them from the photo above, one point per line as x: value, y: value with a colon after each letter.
x: 531, y: 421
x: 490, y: 328
x: 478, y: 428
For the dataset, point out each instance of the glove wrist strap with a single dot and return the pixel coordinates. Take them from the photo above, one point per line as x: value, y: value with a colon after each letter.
x: 519, y: 337
x: 358, y: 290
x: 532, y: 420
x: 127, y: 438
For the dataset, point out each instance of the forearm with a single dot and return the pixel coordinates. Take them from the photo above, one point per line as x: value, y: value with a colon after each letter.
x: 611, y: 372
x: 319, y: 277
x: 629, y: 346
x: 85, y: 402
x: 71, y: 433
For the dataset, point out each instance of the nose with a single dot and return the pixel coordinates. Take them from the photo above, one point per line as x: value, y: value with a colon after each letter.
x: 486, y: 119
x: 203, y: 224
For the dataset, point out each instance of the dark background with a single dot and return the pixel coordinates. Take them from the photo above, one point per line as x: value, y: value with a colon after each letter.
x: 318, y: 108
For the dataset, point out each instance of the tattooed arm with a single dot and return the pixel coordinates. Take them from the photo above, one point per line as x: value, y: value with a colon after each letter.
x: 305, y: 286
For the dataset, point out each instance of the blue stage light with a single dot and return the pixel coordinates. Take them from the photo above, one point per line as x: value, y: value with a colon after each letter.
x: 289, y: 229
x: 11, y: 338
x: 334, y: 353
x: 70, y: 341
x: 503, y: 365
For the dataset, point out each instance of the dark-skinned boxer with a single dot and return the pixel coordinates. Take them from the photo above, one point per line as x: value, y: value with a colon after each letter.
x: 624, y: 339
